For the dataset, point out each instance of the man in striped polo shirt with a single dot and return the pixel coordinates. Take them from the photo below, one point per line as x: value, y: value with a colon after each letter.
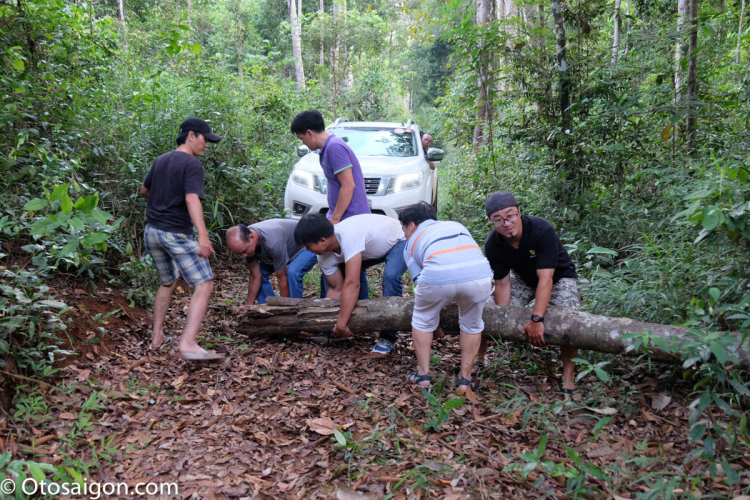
x: 447, y: 265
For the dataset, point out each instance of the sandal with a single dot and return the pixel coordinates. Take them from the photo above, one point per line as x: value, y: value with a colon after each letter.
x: 202, y: 355
x: 167, y: 341
x: 415, y: 379
x: 571, y: 394
x: 465, y: 381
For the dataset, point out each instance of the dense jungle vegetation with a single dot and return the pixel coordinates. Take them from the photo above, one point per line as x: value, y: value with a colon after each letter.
x: 626, y: 123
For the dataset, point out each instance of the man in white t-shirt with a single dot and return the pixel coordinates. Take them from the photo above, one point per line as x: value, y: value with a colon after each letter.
x: 358, y: 242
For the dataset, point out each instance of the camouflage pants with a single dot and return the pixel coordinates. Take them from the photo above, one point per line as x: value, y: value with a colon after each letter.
x: 564, y: 293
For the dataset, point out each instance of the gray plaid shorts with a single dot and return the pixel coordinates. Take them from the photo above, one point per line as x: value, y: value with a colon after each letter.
x: 564, y: 293
x: 175, y: 254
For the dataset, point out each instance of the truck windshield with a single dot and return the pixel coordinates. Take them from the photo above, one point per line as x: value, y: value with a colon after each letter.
x: 378, y: 141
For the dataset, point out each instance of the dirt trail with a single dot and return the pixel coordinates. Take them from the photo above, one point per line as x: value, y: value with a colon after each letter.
x: 259, y: 424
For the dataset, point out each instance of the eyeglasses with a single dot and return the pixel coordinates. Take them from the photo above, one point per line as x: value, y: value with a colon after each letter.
x: 501, y: 222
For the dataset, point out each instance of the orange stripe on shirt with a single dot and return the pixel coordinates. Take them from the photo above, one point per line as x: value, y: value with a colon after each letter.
x: 420, y: 235
x: 457, y: 249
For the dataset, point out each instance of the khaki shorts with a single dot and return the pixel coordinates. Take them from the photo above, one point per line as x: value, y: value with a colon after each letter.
x: 471, y: 297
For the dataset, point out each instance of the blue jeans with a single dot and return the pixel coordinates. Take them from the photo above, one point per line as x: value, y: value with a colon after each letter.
x: 295, y: 274
x: 364, y: 287
x: 395, y: 267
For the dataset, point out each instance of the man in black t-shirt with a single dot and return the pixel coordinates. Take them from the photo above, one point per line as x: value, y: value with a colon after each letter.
x: 174, y: 188
x: 530, y: 262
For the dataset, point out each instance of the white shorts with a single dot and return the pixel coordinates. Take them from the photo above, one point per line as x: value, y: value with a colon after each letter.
x: 471, y: 296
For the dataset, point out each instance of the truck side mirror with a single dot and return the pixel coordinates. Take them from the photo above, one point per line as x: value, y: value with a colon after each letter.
x: 302, y: 150
x: 435, y: 154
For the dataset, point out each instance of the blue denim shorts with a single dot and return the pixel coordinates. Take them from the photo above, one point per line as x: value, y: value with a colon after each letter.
x: 176, y: 254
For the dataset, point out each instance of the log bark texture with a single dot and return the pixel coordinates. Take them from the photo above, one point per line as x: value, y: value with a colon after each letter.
x: 563, y: 327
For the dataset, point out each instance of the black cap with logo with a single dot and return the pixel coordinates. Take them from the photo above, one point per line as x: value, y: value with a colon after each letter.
x: 199, y: 126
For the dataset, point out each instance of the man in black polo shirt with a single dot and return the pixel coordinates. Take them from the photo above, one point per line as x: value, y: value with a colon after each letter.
x: 541, y: 269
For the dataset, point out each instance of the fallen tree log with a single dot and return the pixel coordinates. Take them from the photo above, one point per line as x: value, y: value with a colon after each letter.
x: 562, y: 326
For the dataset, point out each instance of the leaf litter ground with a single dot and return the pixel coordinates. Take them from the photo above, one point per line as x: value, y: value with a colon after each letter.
x: 289, y: 418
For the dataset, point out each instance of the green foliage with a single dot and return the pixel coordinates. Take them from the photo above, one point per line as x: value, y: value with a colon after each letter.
x: 29, y: 323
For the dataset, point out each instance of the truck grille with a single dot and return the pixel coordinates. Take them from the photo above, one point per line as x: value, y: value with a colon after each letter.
x: 372, y: 184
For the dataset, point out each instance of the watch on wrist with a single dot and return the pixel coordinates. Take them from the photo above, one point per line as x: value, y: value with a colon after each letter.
x: 537, y: 318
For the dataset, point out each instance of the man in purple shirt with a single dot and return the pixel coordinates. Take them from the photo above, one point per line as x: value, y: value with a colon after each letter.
x: 346, y: 184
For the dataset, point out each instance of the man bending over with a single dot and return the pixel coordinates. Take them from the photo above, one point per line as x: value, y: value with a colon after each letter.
x: 371, y: 238
x: 269, y: 247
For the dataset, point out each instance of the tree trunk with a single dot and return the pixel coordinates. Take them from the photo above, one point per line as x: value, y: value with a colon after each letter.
x: 739, y: 31
x: 190, y: 13
x: 122, y: 13
x: 627, y: 31
x: 563, y: 327
x: 322, y: 51
x: 680, y: 51
x: 299, y: 70
x: 538, y: 42
x: 483, y: 18
x: 692, y: 121
x: 562, y: 65
x: 616, y: 41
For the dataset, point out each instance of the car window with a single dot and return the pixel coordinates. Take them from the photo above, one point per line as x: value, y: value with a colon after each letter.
x: 378, y: 141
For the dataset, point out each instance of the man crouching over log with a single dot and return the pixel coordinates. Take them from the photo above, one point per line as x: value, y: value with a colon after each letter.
x: 358, y: 242
x: 269, y: 247
x: 541, y: 270
x: 447, y: 265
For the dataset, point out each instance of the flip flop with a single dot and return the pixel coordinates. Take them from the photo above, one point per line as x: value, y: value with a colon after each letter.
x: 570, y: 394
x: 465, y: 381
x: 202, y: 355
x: 167, y: 341
x: 415, y: 379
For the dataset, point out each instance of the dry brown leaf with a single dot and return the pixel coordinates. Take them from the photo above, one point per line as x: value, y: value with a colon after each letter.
x: 322, y: 425
x: 179, y: 381
x: 602, y: 450
x: 661, y: 401
x: 84, y: 375
x: 603, y: 411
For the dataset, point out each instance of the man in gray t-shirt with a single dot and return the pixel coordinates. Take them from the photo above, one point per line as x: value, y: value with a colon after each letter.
x: 269, y: 247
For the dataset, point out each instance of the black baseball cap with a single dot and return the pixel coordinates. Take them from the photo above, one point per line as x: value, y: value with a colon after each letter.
x: 199, y: 126
x: 499, y: 200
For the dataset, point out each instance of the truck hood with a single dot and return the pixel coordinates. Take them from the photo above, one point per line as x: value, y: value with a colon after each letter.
x: 371, y: 165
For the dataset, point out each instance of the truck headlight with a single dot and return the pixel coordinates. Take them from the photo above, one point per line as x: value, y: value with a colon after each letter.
x: 404, y: 182
x: 309, y: 180
x: 302, y: 178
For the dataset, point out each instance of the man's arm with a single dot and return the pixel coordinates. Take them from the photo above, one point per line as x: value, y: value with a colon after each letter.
x: 254, y: 283
x: 502, y: 291
x: 196, y: 215
x: 144, y: 191
x: 432, y: 164
x: 534, y: 330
x: 349, y: 295
x: 345, y: 195
x: 283, y: 282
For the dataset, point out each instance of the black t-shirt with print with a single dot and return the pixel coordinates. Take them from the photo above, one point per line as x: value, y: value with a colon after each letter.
x: 172, y: 176
x: 540, y: 248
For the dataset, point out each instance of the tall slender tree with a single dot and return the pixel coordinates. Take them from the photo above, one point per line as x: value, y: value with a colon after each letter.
x: 562, y: 65
x: 680, y: 51
x: 616, y: 40
x: 483, y: 19
x: 299, y: 70
x: 692, y: 121
x: 322, y: 48
x: 739, y: 31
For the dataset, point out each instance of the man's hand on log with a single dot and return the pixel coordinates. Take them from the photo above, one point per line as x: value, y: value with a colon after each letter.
x: 342, y: 331
x: 535, y: 331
